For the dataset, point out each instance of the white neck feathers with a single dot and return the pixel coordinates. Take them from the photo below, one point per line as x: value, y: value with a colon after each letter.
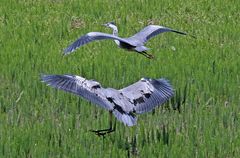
x: 115, y: 33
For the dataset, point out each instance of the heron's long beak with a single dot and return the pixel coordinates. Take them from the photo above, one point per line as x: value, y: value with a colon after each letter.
x: 104, y: 25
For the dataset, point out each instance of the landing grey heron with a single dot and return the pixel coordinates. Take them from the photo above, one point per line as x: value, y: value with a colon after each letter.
x: 133, y: 43
x: 124, y: 104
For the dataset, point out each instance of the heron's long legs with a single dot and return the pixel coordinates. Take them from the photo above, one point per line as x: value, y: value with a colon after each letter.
x: 149, y: 56
x: 103, y: 132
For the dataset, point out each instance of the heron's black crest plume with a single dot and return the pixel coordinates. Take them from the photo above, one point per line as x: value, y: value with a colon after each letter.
x: 112, y: 22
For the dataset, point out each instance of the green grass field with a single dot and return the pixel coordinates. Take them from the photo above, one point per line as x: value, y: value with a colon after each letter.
x: 39, y: 121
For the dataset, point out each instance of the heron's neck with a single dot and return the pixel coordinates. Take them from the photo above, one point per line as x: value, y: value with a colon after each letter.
x: 115, y: 33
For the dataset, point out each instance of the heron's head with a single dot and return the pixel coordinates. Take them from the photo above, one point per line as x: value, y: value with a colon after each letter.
x: 111, y: 25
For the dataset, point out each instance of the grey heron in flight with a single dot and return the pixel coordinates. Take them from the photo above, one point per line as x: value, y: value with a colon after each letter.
x: 124, y: 104
x: 133, y: 43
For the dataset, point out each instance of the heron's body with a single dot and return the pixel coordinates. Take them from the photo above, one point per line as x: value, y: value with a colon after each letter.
x: 133, y: 43
x: 140, y: 97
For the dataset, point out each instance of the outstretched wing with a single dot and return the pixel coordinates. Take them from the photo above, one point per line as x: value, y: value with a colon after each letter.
x: 91, y: 36
x: 109, y: 98
x: 139, y: 97
x: 88, y: 89
x: 150, y: 31
x: 146, y: 94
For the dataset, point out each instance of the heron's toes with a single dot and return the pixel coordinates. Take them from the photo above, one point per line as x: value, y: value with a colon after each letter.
x: 101, y: 132
x: 150, y: 56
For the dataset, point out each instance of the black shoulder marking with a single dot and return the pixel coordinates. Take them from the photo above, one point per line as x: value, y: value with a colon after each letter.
x: 96, y: 86
x: 147, y: 95
x: 110, y: 99
x: 118, y: 108
x: 138, y: 100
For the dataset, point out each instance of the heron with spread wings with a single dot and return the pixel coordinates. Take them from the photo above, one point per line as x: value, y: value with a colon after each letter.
x: 124, y: 104
x: 133, y: 43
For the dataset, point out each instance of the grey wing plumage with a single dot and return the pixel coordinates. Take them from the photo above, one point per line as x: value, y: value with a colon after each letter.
x: 150, y: 31
x: 91, y: 36
x: 88, y: 89
x: 127, y: 119
x: 91, y: 90
x: 122, y: 108
x: 146, y: 94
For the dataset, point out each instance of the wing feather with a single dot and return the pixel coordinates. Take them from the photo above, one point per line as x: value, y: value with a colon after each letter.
x: 79, y: 86
x: 89, y: 37
x: 139, y: 97
x: 151, y: 92
x: 150, y: 31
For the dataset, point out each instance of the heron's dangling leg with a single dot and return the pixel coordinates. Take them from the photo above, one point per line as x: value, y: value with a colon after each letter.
x: 149, y: 56
x: 111, y: 129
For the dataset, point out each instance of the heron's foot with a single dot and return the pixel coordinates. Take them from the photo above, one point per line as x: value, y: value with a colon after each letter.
x: 150, y: 56
x: 102, y: 132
